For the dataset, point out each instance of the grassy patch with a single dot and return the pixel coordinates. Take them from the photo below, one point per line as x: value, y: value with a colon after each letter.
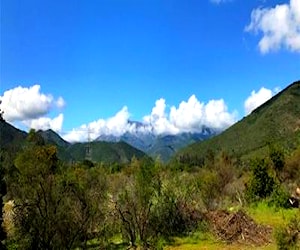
x: 206, y: 241
x: 264, y: 214
x: 197, y: 240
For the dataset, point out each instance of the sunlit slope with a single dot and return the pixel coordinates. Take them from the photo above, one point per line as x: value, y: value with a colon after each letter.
x: 277, y: 122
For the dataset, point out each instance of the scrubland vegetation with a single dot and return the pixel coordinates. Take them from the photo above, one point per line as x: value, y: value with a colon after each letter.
x: 222, y: 203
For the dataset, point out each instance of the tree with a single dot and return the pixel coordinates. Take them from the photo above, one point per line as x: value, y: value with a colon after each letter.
x: 261, y: 184
x: 135, y: 204
x: 36, y: 197
x: 85, y: 201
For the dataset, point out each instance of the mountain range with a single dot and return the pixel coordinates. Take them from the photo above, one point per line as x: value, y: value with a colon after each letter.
x: 277, y: 122
x: 159, y: 146
x: 108, y: 148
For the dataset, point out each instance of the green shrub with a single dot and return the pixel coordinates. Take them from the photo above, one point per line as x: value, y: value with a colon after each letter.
x: 288, y: 237
x: 279, y: 197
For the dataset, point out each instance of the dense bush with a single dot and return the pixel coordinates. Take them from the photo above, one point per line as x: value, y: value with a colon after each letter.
x: 261, y: 184
x: 174, y: 216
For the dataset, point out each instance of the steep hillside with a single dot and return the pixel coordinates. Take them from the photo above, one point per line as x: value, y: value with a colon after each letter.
x: 276, y: 121
x: 10, y: 137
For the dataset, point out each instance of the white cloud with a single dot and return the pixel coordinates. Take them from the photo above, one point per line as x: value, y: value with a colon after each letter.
x: 116, y: 125
x: 158, y: 119
x: 258, y: 98
x: 30, y: 107
x: 280, y: 26
x: 217, y: 116
x: 44, y: 123
x: 190, y: 116
x: 193, y: 115
x: 21, y: 103
x: 25, y: 103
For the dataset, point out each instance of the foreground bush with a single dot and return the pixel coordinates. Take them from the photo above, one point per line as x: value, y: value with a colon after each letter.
x: 288, y: 237
x: 55, y: 207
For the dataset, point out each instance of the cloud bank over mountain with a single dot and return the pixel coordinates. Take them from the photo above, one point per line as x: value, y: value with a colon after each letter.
x: 280, y: 27
x: 32, y: 108
x: 189, y: 116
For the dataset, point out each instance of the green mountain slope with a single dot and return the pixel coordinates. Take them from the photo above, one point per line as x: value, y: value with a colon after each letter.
x: 107, y: 152
x: 52, y: 138
x: 277, y: 122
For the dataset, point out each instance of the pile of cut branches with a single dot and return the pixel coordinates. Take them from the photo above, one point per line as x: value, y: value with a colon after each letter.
x: 238, y: 227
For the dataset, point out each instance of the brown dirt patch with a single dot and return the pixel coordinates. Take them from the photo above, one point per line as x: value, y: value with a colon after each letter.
x: 238, y: 227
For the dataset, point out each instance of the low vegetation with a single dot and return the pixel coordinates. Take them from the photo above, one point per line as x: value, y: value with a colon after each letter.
x: 145, y: 204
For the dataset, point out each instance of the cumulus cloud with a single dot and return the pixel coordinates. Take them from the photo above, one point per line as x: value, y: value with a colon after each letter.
x: 189, y: 116
x: 258, y: 98
x: 193, y: 115
x: 30, y: 107
x: 158, y: 120
x: 21, y: 103
x: 280, y: 26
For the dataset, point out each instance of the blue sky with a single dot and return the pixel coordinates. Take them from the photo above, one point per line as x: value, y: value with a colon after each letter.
x: 90, y: 59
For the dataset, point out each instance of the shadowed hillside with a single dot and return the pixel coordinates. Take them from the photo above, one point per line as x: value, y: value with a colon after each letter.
x: 13, y: 139
x: 10, y: 137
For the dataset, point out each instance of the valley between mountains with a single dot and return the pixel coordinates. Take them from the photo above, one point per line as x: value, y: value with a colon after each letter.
x: 232, y: 189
